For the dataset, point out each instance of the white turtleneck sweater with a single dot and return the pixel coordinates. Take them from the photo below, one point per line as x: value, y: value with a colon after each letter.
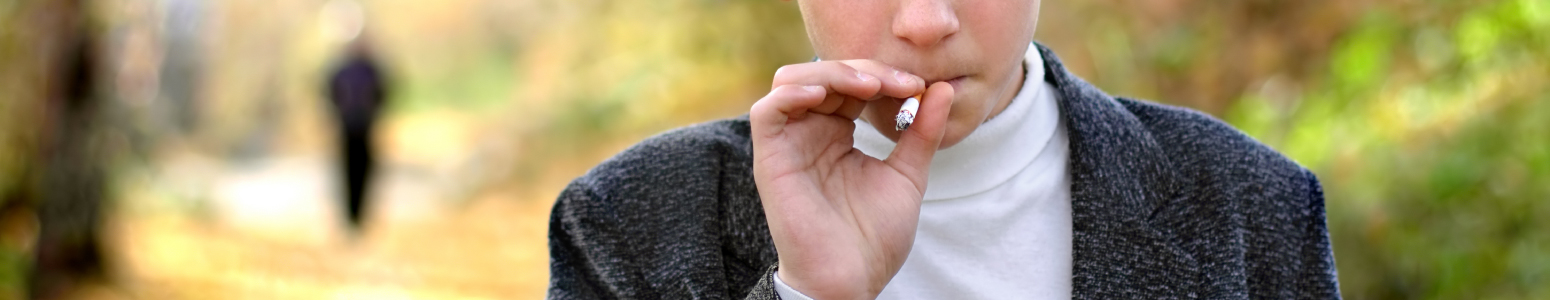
x: 996, y: 219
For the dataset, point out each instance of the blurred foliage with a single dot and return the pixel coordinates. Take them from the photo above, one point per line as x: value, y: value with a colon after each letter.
x: 634, y: 68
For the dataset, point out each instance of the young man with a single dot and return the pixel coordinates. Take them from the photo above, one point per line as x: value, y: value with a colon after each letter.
x: 1017, y: 180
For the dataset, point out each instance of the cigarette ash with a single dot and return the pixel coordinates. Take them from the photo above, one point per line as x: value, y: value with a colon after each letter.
x: 906, y: 114
x: 903, y: 121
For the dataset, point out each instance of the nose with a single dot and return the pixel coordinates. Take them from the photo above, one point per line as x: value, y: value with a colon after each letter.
x: 925, y: 22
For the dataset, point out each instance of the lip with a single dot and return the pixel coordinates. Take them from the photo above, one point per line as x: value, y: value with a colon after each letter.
x: 956, y: 82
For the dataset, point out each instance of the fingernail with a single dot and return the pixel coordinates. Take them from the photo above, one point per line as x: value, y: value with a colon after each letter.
x: 864, y: 77
x: 904, y: 78
x: 813, y: 88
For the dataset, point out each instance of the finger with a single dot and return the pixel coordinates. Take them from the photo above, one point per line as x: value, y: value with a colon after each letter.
x: 835, y: 76
x: 851, y: 109
x: 830, y: 103
x: 769, y: 115
x: 895, y: 83
x: 912, y: 156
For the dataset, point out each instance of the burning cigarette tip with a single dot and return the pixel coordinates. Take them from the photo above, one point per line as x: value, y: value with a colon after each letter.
x: 907, y: 113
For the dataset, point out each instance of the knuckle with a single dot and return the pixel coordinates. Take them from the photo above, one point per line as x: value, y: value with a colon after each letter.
x: 760, y: 107
x: 777, y: 94
x: 774, y: 94
x: 789, y: 74
x: 758, y: 104
x: 872, y: 88
x: 783, y: 71
x: 780, y: 77
x: 782, y: 90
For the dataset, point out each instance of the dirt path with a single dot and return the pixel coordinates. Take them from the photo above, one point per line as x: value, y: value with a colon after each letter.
x: 271, y: 232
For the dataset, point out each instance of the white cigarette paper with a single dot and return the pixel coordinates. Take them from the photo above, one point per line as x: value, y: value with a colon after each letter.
x: 906, y: 114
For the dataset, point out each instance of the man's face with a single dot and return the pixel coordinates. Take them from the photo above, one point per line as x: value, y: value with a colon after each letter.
x: 976, y: 45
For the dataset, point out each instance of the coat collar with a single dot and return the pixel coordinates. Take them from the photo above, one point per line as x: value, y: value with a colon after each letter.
x: 1119, y: 177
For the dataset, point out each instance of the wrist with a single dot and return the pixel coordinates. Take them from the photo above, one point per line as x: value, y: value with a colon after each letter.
x: 833, y: 284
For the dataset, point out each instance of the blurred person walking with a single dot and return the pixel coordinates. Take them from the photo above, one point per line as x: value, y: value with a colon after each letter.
x: 358, y: 90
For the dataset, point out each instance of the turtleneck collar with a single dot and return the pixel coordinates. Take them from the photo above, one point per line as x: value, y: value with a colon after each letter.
x: 997, y: 150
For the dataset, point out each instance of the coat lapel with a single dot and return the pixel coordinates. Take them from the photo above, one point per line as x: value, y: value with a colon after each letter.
x: 1119, y: 175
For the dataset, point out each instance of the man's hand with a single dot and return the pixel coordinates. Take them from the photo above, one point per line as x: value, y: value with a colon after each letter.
x: 843, y: 222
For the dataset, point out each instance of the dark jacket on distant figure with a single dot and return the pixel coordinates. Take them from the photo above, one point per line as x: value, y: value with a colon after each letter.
x: 358, y: 91
x: 1167, y: 203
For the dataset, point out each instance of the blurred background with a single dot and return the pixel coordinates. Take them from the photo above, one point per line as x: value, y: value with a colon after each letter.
x: 189, y: 149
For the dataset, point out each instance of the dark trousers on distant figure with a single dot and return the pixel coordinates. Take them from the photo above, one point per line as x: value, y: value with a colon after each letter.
x: 355, y: 146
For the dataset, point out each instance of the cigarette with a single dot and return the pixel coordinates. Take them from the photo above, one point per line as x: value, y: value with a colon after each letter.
x: 907, y: 113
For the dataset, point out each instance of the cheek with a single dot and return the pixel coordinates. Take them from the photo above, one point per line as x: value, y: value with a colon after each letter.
x: 1002, y: 30
x: 999, y: 23
x: 846, y: 29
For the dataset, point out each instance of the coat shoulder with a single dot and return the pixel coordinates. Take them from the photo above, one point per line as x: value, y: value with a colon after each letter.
x: 677, y: 173
x: 1239, y: 200
x: 1222, y: 173
x: 672, y: 216
x: 1199, y: 144
x: 672, y: 161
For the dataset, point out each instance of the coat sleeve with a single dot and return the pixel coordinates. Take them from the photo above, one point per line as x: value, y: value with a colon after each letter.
x: 1319, y: 279
x: 589, y: 257
x: 572, y: 273
x: 1289, y: 255
x: 765, y: 290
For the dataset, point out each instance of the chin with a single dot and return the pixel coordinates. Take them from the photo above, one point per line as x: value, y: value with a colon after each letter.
x: 955, y: 133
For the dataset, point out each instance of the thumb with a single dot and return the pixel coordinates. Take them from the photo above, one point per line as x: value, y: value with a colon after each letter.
x: 912, y: 155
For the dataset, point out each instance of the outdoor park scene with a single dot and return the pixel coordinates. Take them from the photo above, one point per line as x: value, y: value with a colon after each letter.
x: 193, y: 149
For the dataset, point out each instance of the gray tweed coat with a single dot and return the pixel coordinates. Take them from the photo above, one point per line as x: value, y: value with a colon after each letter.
x: 1167, y: 203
